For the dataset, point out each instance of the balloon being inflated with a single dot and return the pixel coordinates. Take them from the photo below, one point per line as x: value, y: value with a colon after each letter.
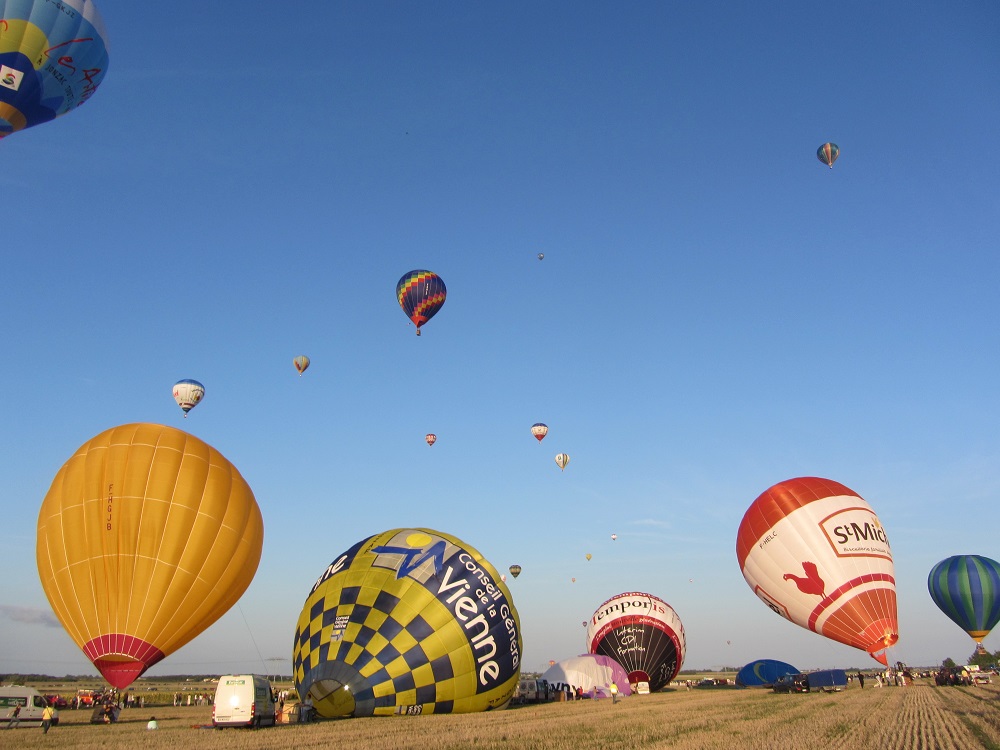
x: 407, y: 622
x: 145, y: 538
x: 815, y: 553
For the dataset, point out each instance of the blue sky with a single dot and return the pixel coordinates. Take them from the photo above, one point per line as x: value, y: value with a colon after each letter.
x: 716, y: 311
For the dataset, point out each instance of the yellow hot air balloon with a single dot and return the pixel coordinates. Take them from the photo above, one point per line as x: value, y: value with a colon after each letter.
x: 588, y: 555
x: 145, y: 538
x: 407, y: 622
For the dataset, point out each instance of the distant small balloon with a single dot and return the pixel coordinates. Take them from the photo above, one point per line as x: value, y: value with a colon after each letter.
x: 539, y: 430
x: 503, y: 577
x: 301, y: 363
x: 572, y: 580
x: 613, y: 537
x: 588, y: 555
x: 515, y: 570
x: 561, y: 460
x: 431, y: 438
x: 828, y: 153
x: 188, y: 394
x: 541, y: 256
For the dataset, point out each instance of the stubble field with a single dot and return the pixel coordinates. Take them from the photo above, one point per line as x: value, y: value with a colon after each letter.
x: 918, y: 717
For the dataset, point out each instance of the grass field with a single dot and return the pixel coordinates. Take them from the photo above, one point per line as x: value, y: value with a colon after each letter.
x: 912, y: 718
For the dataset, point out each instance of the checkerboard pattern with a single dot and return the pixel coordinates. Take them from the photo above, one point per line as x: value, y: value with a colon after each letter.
x: 407, y: 648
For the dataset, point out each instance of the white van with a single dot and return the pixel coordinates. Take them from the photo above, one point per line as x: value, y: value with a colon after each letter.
x: 243, y: 700
x: 32, y: 704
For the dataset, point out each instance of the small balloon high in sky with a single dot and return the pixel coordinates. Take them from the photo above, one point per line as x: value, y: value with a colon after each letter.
x: 420, y: 294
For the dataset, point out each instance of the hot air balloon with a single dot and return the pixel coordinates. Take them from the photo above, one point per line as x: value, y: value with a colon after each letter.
x: 503, y: 578
x: 967, y: 589
x: 301, y: 363
x: 53, y: 56
x: 539, y: 430
x: 541, y: 256
x: 763, y: 673
x: 188, y: 394
x: 572, y: 580
x: 588, y: 555
x: 592, y: 672
x: 145, y: 538
x: 815, y: 552
x: 431, y: 438
x: 561, y: 460
x: 407, y: 622
x: 421, y: 294
x: 614, y: 537
x: 828, y: 153
x: 642, y: 633
x: 515, y: 570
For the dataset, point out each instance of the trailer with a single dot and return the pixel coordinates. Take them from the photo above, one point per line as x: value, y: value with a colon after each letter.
x: 827, y: 680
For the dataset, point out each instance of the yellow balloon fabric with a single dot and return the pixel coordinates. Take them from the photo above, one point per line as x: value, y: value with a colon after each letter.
x: 407, y: 622
x: 145, y: 538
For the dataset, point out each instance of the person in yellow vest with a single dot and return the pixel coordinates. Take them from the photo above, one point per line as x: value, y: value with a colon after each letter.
x: 47, y: 715
x: 614, y: 692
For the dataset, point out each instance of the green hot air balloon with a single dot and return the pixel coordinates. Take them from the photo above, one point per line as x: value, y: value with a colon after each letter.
x: 967, y: 589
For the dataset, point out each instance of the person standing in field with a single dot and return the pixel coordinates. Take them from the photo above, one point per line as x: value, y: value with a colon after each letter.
x: 14, y: 718
x: 861, y: 680
x: 614, y: 693
x: 47, y: 713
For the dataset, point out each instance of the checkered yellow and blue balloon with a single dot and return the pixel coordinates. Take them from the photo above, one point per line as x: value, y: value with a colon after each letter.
x: 409, y: 621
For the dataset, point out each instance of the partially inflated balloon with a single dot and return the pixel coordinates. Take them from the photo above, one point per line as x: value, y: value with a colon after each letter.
x: 420, y: 294
x: 592, y: 672
x: 301, y: 363
x: 53, y: 56
x: 763, y: 672
x: 642, y: 633
x: 539, y: 430
x: 145, y: 538
x: 188, y: 394
x: 409, y: 621
x: 967, y: 589
x: 816, y: 554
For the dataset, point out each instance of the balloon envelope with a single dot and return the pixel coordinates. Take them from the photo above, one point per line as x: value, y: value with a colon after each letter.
x: 420, y: 294
x: 515, y: 570
x: 53, y: 56
x: 562, y: 460
x: 642, y: 633
x: 539, y: 430
x: 592, y: 672
x: 145, y: 538
x: 763, y: 672
x: 430, y: 438
x: 301, y: 363
x: 815, y: 553
x: 406, y: 622
x: 828, y: 153
x: 967, y: 589
x: 188, y: 394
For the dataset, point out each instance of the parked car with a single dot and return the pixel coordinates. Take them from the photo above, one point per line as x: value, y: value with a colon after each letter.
x: 791, y: 683
x: 57, y: 701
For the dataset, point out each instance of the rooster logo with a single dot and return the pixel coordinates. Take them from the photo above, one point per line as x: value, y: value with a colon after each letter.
x: 811, y: 583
